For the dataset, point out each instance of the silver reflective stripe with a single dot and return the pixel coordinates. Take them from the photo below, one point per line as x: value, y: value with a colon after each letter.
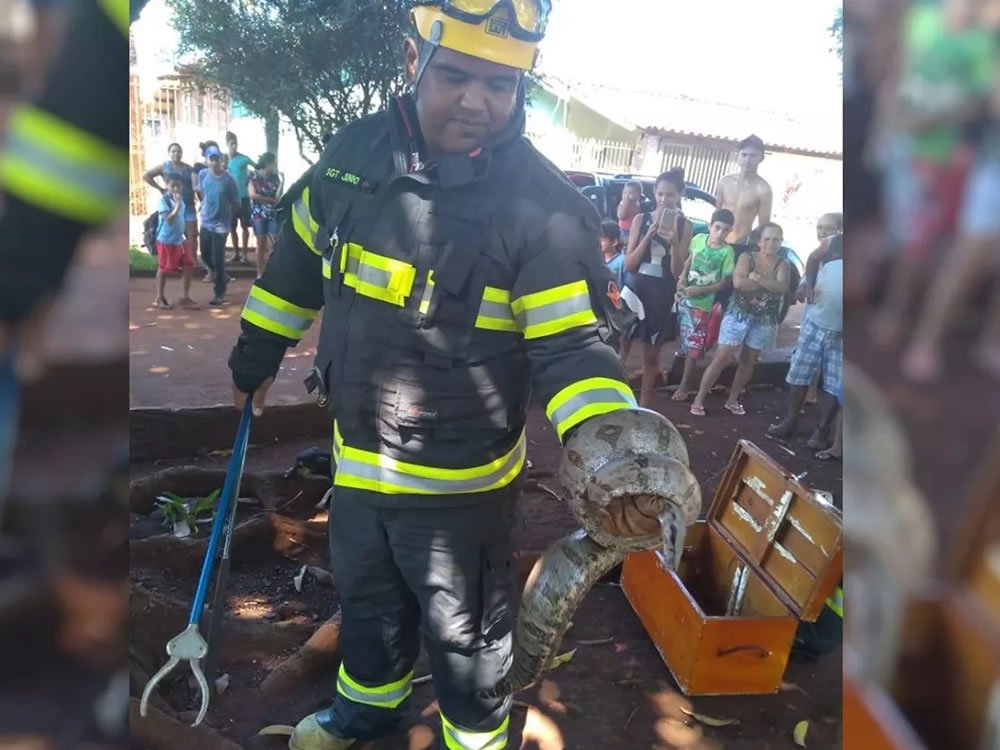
x: 499, y: 310
x: 289, y: 319
x: 88, y: 177
x: 352, y: 262
x: 428, y: 485
x: 474, y: 740
x: 391, y: 698
x: 555, y: 310
x: 580, y: 400
x: 374, y: 276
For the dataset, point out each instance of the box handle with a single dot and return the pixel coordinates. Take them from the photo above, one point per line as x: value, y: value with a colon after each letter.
x: 762, y: 652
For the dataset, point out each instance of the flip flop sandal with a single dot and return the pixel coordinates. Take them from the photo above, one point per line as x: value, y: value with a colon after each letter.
x: 780, y: 431
x: 698, y: 411
x: 826, y: 455
x: 736, y: 409
x: 819, y: 440
x: 162, y: 304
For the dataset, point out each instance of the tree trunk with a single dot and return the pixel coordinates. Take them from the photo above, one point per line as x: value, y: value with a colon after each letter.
x: 271, y: 123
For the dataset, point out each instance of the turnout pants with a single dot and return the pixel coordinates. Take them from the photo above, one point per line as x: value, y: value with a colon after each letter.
x: 443, y: 575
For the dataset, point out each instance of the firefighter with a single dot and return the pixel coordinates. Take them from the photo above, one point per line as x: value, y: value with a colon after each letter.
x: 459, y: 274
x: 63, y: 170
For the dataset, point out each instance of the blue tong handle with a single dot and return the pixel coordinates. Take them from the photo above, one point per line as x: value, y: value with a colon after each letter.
x: 233, y: 475
x: 10, y: 408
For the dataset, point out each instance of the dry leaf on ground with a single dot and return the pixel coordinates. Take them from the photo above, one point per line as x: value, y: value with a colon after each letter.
x: 799, y: 733
x: 709, y: 720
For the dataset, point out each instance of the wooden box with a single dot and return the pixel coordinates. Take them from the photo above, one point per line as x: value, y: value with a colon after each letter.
x: 767, y: 556
x: 948, y: 670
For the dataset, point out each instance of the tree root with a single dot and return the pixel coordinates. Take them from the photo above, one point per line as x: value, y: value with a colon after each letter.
x: 320, y: 653
x: 160, y: 731
x: 271, y: 488
x: 156, y: 618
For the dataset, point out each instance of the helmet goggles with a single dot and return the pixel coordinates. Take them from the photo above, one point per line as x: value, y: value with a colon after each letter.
x: 529, y: 16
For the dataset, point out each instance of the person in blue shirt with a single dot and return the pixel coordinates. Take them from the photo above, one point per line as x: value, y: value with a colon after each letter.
x: 239, y: 168
x: 611, y: 247
x: 173, y: 252
x: 220, y: 199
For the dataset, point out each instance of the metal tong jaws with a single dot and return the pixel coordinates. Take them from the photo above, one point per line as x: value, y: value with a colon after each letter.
x: 189, y: 646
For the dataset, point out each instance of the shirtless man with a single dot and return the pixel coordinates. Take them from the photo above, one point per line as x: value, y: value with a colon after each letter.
x: 746, y: 194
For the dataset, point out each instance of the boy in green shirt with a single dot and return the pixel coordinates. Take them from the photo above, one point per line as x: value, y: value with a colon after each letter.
x: 707, y: 271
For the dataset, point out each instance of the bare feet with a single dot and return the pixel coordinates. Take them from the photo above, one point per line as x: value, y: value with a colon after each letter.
x: 681, y: 395
x: 922, y: 364
x: 188, y: 304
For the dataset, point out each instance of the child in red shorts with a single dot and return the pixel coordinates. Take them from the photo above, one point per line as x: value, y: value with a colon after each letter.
x: 171, y: 249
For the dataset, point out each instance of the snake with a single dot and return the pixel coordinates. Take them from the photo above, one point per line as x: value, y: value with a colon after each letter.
x: 627, y: 480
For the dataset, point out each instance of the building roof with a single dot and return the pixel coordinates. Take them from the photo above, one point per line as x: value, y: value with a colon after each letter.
x: 663, y: 113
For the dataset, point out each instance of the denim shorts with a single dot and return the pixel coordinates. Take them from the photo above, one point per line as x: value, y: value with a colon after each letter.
x: 265, y: 226
x: 736, y: 331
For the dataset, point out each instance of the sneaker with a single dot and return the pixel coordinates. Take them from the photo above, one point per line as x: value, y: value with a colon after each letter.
x: 217, y: 302
x: 309, y: 735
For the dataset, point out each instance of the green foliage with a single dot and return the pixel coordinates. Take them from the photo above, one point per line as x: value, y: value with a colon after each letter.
x: 177, y: 510
x: 140, y: 260
x: 836, y: 30
x: 320, y: 64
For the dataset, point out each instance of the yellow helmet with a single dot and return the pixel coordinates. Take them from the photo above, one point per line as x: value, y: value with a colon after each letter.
x: 501, y: 31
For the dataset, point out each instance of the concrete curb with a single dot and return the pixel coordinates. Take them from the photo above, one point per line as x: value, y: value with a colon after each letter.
x: 237, y: 272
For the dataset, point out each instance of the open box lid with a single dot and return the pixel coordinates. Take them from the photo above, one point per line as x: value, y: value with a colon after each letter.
x: 790, y: 537
x: 976, y: 563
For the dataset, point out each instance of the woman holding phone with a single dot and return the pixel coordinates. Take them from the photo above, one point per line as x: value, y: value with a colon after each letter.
x: 657, y: 249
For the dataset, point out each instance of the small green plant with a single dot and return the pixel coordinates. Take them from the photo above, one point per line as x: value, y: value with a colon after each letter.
x: 140, y: 260
x: 183, y: 515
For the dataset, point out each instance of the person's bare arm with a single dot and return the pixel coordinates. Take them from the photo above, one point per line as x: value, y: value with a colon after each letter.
x: 637, y: 246
x: 175, y: 207
x: 720, y: 194
x: 682, y: 279
x: 627, y: 208
x: 741, y: 275
x: 766, y: 199
x: 255, y: 196
x: 680, y: 251
x: 776, y: 285
x: 150, y: 175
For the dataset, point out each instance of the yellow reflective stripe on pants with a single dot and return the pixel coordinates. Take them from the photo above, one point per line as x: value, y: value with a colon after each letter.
x: 462, y: 739
x: 117, y: 11
x: 56, y: 166
x: 425, y: 299
x: 377, y: 276
x: 272, y: 313
x: 383, y: 696
x: 495, y: 313
x: 836, y: 602
x: 302, y: 221
x: 587, y: 398
x: 555, y: 310
x: 366, y: 470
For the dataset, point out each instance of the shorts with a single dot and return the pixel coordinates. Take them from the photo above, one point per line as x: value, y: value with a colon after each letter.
x: 693, y: 323
x: 818, y: 350
x: 981, y: 204
x: 265, y: 226
x: 738, y: 331
x: 174, y: 257
x: 243, y: 215
x: 935, y: 202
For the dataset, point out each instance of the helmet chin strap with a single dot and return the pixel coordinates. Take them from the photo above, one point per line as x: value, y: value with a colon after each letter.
x: 427, y: 51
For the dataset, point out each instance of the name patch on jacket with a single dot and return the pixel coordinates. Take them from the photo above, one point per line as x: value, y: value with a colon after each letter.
x: 350, y: 179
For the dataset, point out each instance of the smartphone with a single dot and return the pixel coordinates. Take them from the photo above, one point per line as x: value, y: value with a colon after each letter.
x: 668, y: 223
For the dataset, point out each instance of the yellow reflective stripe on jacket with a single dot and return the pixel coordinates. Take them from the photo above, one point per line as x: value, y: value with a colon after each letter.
x: 462, y: 739
x: 555, y: 310
x: 272, y: 313
x: 377, y: 276
x: 61, y: 168
x: 495, y: 313
x: 366, y: 470
x: 425, y: 299
x: 836, y: 602
x: 302, y: 221
x: 117, y: 11
x: 384, y: 696
x: 587, y: 398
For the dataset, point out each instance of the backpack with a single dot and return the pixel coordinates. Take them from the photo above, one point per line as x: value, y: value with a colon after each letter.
x: 149, y: 229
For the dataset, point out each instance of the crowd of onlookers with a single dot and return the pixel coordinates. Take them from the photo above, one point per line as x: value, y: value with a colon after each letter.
x: 202, y: 205
x: 922, y: 145
x: 723, y: 292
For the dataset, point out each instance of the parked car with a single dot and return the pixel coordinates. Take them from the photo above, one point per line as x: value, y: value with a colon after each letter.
x: 605, y: 192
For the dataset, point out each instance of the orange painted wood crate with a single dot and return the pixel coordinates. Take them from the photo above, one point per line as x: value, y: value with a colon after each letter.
x: 948, y: 670
x: 767, y: 556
